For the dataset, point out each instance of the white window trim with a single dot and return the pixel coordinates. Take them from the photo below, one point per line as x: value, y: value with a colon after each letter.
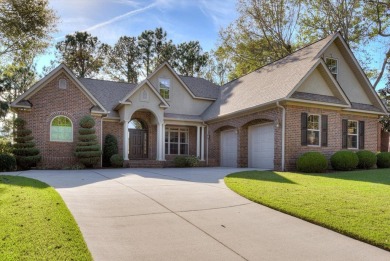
x: 51, y: 125
x: 319, y: 129
x: 357, y: 135
x: 168, y: 135
x: 169, y: 89
x: 337, y: 64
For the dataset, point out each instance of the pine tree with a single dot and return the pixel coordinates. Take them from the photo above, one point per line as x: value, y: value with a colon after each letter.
x: 26, y: 154
x: 88, y: 149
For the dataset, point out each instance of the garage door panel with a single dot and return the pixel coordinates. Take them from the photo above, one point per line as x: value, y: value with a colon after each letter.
x: 229, y: 148
x: 261, y: 146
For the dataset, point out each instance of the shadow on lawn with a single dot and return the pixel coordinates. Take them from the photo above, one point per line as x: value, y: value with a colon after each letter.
x: 270, y: 176
x: 22, y: 182
x: 380, y: 176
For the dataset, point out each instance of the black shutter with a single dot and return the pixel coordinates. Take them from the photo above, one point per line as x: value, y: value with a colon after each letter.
x: 344, y: 134
x: 304, y: 129
x: 361, y: 135
x: 324, y: 130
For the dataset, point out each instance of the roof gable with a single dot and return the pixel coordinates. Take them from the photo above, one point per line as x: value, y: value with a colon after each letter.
x: 57, y: 71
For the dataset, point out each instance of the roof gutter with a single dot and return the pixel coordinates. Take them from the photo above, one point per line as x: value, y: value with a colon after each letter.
x: 283, y: 132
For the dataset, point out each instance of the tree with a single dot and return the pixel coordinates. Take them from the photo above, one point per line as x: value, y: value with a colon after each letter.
x: 218, y: 68
x: 124, y: 60
x: 88, y: 149
x: 189, y: 58
x: 24, y: 150
x: 145, y: 43
x: 26, y: 26
x: 83, y: 53
x: 264, y: 32
x: 15, y: 79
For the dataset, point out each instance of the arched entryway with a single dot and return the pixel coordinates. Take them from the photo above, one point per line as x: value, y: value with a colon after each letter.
x: 138, y: 139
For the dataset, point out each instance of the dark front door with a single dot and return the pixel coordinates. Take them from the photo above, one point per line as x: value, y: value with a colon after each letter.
x: 138, y: 144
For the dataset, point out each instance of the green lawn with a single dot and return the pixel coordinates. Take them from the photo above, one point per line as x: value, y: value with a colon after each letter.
x: 355, y: 203
x: 35, y: 223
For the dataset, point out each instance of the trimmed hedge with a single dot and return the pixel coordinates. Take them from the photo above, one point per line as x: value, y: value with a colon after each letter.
x: 186, y: 161
x: 344, y: 160
x: 7, y: 162
x: 367, y: 159
x: 110, y: 148
x: 383, y: 160
x: 116, y: 161
x: 312, y: 162
x: 88, y: 149
x: 24, y: 150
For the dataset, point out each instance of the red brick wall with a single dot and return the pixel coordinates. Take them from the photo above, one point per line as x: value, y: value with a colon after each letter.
x: 115, y: 129
x: 385, y: 141
x: 49, y: 102
x: 293, y: 132
x: 241, y: 124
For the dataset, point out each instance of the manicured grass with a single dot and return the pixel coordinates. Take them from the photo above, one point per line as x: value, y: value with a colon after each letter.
x: 35, y: 223
x: 355, y: 203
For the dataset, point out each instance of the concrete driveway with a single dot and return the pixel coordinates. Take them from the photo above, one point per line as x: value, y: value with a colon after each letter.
x: 189, y: 214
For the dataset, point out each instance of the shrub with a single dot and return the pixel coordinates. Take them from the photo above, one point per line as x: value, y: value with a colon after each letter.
x: 367, y: 159
x: 7, y: 162
x: 24, y: 150
x: 110, y: 148
x: 383, y: 160
x: 87, y: 150
x: 116, y: 161
x: 185, y: 161
x: 312, y: 162
x: 344, y: 160
x: 5, y: 146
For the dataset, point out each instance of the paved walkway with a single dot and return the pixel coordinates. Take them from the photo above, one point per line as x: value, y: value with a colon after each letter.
x: 189, y: 214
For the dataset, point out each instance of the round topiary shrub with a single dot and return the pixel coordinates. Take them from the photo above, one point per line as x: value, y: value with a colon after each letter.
x: 383, y: 160
x: 88, y: 149
x: 344, y: 160
x: 180, y: 161
x: 116, y: 161
x: 312, y: 162
x: 367, y: 159
x: 110, y: 148
x: 24, y: 149
x: 7, y: 162
x: 192, y: 161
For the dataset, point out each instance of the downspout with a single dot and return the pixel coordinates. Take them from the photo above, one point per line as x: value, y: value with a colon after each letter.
x: 283, y: 132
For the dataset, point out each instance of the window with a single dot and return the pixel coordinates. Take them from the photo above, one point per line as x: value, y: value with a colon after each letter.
x: 164, y: 85
x: 352, y: 140
x: 332, y: 65
x: 61, y: 129
x: 313, y: 130
x: 176, y: 141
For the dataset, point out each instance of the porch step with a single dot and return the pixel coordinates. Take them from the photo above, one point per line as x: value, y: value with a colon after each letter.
x: 144, y: 164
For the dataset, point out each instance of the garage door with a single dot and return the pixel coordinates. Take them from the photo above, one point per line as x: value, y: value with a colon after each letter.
x: 229, y: 148
x: 261, y: 146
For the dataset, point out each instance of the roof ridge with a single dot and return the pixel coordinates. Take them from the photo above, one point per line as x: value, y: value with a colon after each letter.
x: 270, y: 63
x: 106, y: 80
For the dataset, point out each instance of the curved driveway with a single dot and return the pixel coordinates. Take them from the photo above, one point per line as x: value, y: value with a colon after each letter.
x: 189, y: 214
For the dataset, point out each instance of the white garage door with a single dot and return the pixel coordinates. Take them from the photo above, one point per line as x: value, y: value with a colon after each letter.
x: 261, y: 146
x: 229, y: 148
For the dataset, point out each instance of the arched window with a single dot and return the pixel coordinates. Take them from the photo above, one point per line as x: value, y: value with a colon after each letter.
x: 61, y: 129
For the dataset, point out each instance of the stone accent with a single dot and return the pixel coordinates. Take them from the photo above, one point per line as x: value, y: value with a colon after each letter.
x: 49, y: 102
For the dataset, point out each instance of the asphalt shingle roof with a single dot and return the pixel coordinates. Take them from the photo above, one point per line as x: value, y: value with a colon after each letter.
x: 267, y: 84
x: 201, y: 87
x: 108, y: 93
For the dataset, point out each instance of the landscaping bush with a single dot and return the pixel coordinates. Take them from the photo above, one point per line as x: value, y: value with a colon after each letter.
x: 312, y: 162
x: 116, y: 161
x: 87, y: 150
x: 367, y: 159
x: 383, y: 160
x: 24, y: 150
x: 185, y: 161
x: 344, y: 160
x: 5, y: 146
x: 110, y: 148
x: 7, y: 162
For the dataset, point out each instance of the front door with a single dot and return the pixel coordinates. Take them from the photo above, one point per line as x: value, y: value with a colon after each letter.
x: 138, y: 148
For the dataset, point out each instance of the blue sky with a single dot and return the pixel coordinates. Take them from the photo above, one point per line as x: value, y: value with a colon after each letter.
x: 184, y: 20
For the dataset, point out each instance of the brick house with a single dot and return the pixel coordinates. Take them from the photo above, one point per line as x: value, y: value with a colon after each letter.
x: 316, y: 99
